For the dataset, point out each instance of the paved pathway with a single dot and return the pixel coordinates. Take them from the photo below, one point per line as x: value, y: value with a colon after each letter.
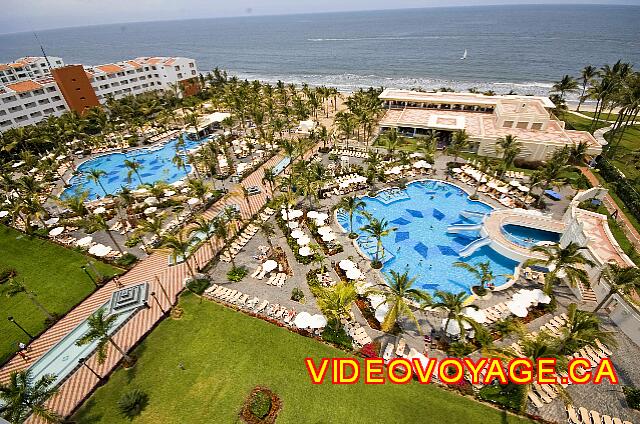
x: 628, y: 228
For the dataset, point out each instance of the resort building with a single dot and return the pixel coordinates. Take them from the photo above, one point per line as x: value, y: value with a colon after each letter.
x: 30, y: 90
x: 485, y: 119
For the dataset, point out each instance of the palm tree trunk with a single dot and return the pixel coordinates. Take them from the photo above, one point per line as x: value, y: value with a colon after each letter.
x: 139, y: 179
x: 126, y: 357
x: 114, y: 241
x: 604, y: 301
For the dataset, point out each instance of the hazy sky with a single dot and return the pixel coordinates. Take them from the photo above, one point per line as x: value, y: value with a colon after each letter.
x: 27, y: 15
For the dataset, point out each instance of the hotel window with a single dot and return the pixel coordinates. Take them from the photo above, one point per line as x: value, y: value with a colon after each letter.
x: 180, y: 75
x: 154, y: 68
x: 60, y: 107
x: 5, y: 123
x: 24, y: 95
x: 35, y: 114
x: 51, y: 89
x: 38, y: 92
x: 177, y: 68
x: 48, y: 110
x: 191, y: 65
x: 15, y: 108
x: 21, y: 118
x: 3, y: 112
x: 30, y: 105
x: 522, y: 125
x: 536, y: 126
x: 55, y: 98
x: 508, y: 124
x: 43, y: 101
x: 193, y: 72
x: 9, y: 99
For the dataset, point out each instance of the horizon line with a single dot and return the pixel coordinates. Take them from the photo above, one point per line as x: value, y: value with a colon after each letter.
x: 250, y: 15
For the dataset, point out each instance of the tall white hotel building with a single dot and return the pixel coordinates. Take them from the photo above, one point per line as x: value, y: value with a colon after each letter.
x: 32, y: 88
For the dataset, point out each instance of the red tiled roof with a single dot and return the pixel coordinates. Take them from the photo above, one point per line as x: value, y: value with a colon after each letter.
x: 23, y: 86
x: 110, y: 68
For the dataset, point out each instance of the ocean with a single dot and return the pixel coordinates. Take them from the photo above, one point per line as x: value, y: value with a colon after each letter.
x: 520, y: 48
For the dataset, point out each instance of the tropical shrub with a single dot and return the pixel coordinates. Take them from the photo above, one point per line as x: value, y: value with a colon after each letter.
x: 126, y: 260
x: 237, y: 273
x: 198, y: 286
x: 132, y: 403
x: 621, y: 186
x: 296, y: 294
x: 633, y: 396
x: 260, y: 404
x: 338, y: 337
x: 508, y: 396
x: 7, y: 273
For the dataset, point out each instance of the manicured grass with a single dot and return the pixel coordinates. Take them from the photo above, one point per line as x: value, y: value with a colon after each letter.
x: 51, y: 271
x: 603, y: 116
x: 625, y: 158
x: 577, y: 122
x: 226, y: 354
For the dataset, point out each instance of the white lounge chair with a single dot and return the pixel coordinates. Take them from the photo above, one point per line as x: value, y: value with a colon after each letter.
x: 535, y: 400
x: 388, y: 352
x: 572, y: 415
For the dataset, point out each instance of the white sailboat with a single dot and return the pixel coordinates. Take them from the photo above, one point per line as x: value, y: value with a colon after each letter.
x: 464, y: 56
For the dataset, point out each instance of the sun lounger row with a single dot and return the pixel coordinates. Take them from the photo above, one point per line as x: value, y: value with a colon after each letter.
x: 357, y: 333
x: 514, y: 174
x: 277, y: 280
x: 235, y: 297
x: 583, y: 416
x: 352, y: 153
x: 240, y: 241
x: 496, y: 312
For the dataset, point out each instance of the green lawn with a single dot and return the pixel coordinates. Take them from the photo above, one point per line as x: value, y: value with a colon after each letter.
x: 603, y: 116
x: 51, y: 271
x: 577, y: 122
x: 626, y: 152
x: 226, y: 354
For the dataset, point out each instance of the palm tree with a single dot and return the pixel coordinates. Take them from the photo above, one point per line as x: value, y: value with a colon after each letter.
x: 621, y: 280
x: 510, y: 148
x: 98, y: 223
x: 454, y: 306
x: 100, y: 329
x: 459, y: 143
x: 270, y: 178
x: 179, y: 163
x: 566, y: 84
x: 562, y: 261
x: 578, y: 153
x: 95, y: 175
x: 75, y: 203
x: 15, y: 287
x: 153, y: 225
x: 392, y: 140
x: 377, y: 228
x: 336, y: 302
x: 587, y: 74
x: 397, y: 292
x: 351, y: 205
x: 201, y: 225
x: 481, y: 271
x: 21, y: 397
x: 582, y: 329
x: 134, y: 168
x: 221, y: 229
x: 179, y: 247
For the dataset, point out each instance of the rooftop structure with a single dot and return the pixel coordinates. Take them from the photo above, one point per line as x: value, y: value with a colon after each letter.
x: 485, y: 118
x: 31, y: 91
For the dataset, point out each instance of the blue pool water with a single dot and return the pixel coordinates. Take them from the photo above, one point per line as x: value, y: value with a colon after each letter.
x: 421, y: 244
x: 156, y: 164
x: 528, y: 237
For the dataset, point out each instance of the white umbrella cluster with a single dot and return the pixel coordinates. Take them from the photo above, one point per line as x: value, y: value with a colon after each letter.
x: 422, y: 164
x: 306, y: 320
x: 269, y: 265
x: 291, y: 214
x: 523, y: 299
x: 326, y: 233
x: 56, y: 231
x: 99, y: 250
x: 351, y: 269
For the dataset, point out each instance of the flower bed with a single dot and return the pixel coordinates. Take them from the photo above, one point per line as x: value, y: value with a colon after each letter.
x: 261, y: 406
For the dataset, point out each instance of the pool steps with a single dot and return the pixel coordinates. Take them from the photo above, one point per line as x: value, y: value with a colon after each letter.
x: 472, y: 214
x: 457, y: 228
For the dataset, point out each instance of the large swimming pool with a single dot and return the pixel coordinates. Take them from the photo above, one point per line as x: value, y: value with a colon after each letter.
x: 421, y: 245
x: 156, y: 165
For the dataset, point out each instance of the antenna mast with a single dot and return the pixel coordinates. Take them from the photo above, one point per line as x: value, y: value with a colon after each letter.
x: 43, y: 52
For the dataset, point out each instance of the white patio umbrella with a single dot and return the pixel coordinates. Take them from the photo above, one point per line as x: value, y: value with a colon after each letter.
x: 319, y: 222
x: 540, y: 296
x: 523, y: 189
x: 140, y: 191
x: 99, y: 250
x: 420, y: 164
x: 150, y: 210
x: 453, y: 328
x: 354, y: 274
x: 317, y: 321
x: 269, y: 265
x: 312, y: 214
x: 517, y: 309
x: 416, y: 155
x: 328, y: 237
x: 178, y: 183
x: 324, y: 230
x: 169, y: 193
x: 381, y: 312
x: 295, y: 213
x: 17, y: 164
x: 514, y: 183
x: 346, y: 264
x: 151, y: 201
x: 50, y: 221
x: 321, y: 216
x: 297, y: 234
x: 492, y: 184
x: 475, y: 314
x: 344, y: 184
x: 193, y: 201
x: 502, y: 189
x: 302, y: 320
x: 61, y: 157
x: 3, y: 214
x: 56, y: 231
x: 293, y: 225
x: 84, y: 241
x: 100, y: 210
x: 305, y: 251
x: 304, y: 240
